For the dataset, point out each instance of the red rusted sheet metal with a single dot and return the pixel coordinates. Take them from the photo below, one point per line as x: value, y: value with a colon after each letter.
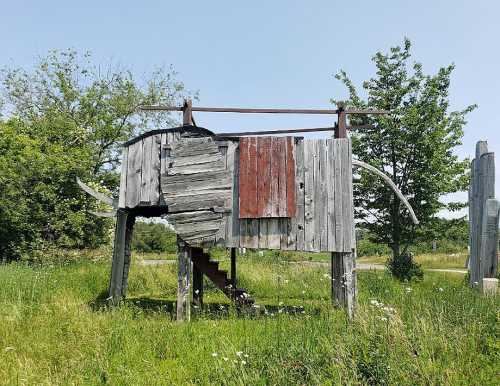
x: 264, y: 176
x: 267, y: 177
x: 290, y: 178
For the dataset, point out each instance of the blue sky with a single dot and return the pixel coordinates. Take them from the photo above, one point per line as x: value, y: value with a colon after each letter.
x: 272, y: 53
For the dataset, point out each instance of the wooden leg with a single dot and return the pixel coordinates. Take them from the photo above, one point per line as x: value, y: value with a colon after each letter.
x: 344, y: 281
x: 183, y: 281
x: 117, y: 265
x: 197, y: 286
x: 233, y: 270
x: 128, y: 251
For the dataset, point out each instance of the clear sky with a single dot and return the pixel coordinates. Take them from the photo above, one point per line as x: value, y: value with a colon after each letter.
x: 272, y: 53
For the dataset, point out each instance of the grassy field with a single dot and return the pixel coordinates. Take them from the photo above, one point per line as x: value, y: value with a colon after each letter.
x: 55, y: 329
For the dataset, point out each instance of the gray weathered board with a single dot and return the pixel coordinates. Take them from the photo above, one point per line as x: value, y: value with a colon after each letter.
x: 323, y: 183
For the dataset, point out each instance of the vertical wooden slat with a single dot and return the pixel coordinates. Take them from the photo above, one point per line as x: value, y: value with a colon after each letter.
x: 263, y: 233
x: 331, y: 194
x: 318, y: 207
x: 339, y: 242
x: 274, y: 234
x: 128, y: 251
x: 309, y: 195
x: 290, y: 177
x: 323, y: 196
x: 134, y: 171
x: 147, y: 144
x: 299, y: 187
x: 346, y: 177
x: 232, y: 218
x: 253, y: 233
x: 154, y: 184
x: 264, y: 176
x: 123, y: 179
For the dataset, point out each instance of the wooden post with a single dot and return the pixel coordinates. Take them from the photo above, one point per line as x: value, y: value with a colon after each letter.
x: 183, y: 281
x: 128, y: 251
x: 187, y: 112
x: 343, y: 264
x: 233, y: 269
x: 482, y: 189
x: 488, y: 255
x: 119, y: 265
x: 197, y: 281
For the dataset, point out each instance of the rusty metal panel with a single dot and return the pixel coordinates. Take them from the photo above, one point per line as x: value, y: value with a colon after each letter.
x: 267, y: 177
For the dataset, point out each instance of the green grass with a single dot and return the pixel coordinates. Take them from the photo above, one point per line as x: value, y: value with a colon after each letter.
x: 54, y: 330
x: 427, y: 260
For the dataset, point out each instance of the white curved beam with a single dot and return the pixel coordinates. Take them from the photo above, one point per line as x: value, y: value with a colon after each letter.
x: 389, y: 182
x: 99, y: 196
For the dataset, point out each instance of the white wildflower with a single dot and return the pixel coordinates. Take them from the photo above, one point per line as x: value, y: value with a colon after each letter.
x: 214, y: 354
x: 239, y: 353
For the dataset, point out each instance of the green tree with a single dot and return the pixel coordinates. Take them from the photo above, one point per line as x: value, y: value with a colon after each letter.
x: 67, y: 118
x: 414, y: 145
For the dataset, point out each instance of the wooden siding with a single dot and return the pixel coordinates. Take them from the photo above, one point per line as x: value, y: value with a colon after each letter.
x: 322, y: 192
x: 267, y: 177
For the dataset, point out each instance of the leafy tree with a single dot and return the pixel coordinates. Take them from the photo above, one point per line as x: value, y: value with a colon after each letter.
x: 67, y: 118
x: 153, y: 237
x: 414, y: 145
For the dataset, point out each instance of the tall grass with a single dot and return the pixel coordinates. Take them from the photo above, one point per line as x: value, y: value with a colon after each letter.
x: 54, y: 330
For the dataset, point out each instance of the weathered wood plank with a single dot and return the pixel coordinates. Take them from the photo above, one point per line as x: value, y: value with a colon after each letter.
x: 331, y: 194
x: 134, y: 171
x: 318, y: 207
x: 309, y: 210
x: 263, y: 233
x: 488, y: 258
x: 346, y: 172
x: 196, y: 168
x: 264, y: 176
x: 274, y: 233
x: 323, y: 195
x: 187, y: 217
x: 253, y: 233
x: 187, y: 178
x: 154, y: 184
x: 123, y: 179
x: 299, y: 187
x: 222, y: 181
x: 147, y: 144
x: 339, y: 241
x: 233, y: 226
x: 344, y: 281
x: 290, y: 177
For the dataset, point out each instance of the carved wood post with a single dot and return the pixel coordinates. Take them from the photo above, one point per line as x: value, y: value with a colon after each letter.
x: 343, y: 264
x: 183, y: 281
x: 482, y: 236
x: 121, y: 255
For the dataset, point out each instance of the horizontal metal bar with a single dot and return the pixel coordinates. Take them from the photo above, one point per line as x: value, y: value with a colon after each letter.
x: 262, y: 111
x: 286, y: 131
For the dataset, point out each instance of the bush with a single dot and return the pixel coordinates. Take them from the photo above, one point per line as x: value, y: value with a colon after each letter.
x: 403, y: 267
x: 153, y: 237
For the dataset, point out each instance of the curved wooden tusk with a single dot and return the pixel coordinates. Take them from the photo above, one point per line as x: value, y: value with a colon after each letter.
x: 104, y: 214
x: 389, y: 182
x: 99, y: 196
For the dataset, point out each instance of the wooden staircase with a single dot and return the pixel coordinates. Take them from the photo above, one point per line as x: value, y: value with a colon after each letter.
x: 219, y: 277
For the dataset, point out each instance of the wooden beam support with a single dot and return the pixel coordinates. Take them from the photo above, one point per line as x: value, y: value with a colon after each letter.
x: 233, y: 268
x: 183, y: 281
x: 187, y: 113
x: 341, y: 127
x: 344, y: 281
x: 121, y: 256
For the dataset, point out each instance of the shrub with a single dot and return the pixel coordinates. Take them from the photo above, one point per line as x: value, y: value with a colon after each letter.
x: 153, y: 237
x: 403, y: 267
